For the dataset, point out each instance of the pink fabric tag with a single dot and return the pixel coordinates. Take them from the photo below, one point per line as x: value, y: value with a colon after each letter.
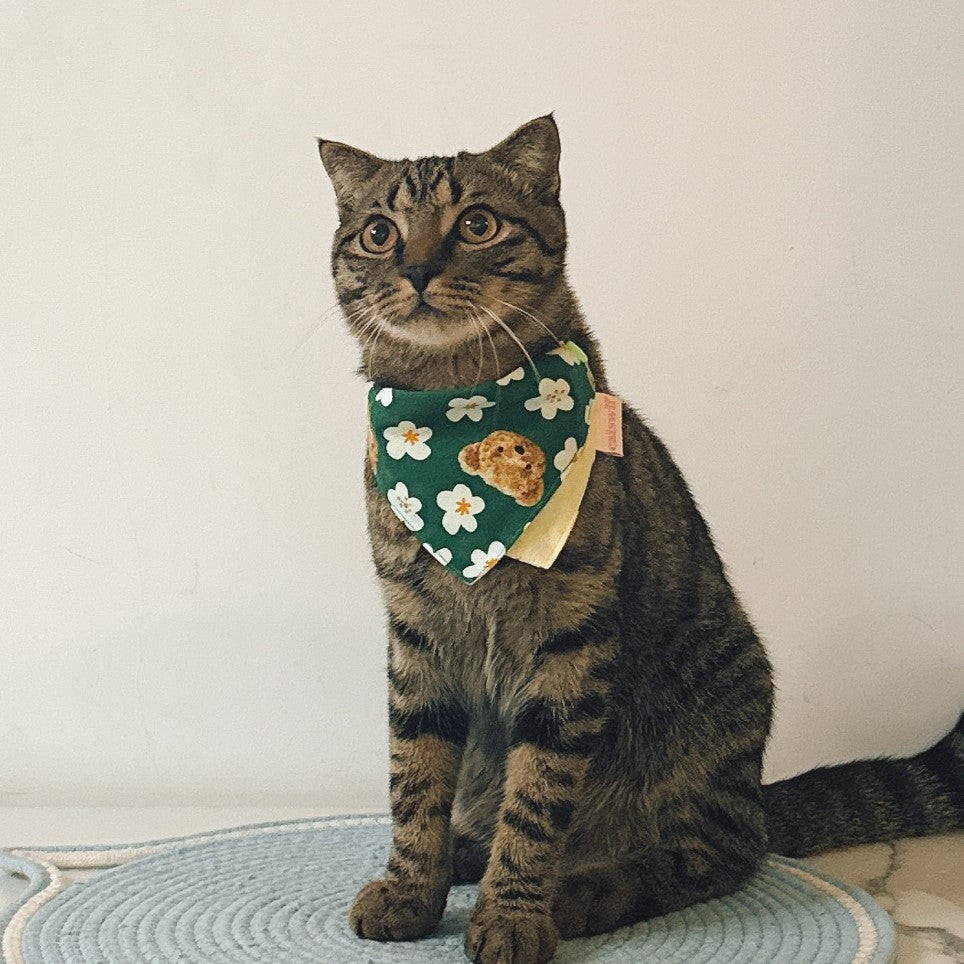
x: 607, y: 417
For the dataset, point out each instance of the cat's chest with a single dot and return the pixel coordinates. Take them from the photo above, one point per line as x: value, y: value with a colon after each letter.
x: 486, y: 634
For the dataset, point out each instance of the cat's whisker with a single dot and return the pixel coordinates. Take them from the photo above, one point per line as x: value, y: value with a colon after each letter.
x: 327, y: 313
x: 495, y: 352
x: 371, y: 350
x: 359, y: 313
x: 478, y: 335
x: 322, y: 319
x: 528, y: 314
x: 359, y: 316
x: 306, y: 337
x: 512, y: 335
x: 376, y: 302
x: 371, y: 321
x: 370, y: 327
x: 382, y: 324
x: 369, y: 332
x: 369, y: 316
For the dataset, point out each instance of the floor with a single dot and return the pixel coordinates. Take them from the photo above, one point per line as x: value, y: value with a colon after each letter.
x: 920, y: 882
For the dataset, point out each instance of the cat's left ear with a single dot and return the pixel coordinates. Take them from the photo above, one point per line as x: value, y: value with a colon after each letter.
x: 350, y: 170
x: 530, y: 157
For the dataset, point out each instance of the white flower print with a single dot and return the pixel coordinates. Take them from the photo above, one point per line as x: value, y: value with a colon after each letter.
x: 405, y: 506
x: 460, y: 508
x: 513, y: 376
x: 566, y: 354
x: 589, y: 412
x: 565, y: 455
x: 443, y: 555
x: 553, y: 396
x: 459, y: 407
x: 484, y: 560
x: 385, y: 396
x: 405, y: 439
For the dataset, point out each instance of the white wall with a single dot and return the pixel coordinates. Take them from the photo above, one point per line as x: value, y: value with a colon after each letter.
x: 765, y: 207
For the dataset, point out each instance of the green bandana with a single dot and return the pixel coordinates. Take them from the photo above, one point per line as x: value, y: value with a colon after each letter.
x: 467, y: 469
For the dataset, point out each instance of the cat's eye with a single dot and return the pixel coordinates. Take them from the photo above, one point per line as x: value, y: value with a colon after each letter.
x: 478, y: 225
x: 379, y: 236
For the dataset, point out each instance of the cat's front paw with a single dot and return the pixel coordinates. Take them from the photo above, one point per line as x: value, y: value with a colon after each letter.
x: 386, y: 910
x: 502, y: 934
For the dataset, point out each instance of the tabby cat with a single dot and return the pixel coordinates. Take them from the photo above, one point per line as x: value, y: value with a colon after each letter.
x: 585, y: 740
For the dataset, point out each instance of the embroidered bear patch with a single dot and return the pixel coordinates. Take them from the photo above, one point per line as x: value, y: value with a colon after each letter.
x: 508, y: 462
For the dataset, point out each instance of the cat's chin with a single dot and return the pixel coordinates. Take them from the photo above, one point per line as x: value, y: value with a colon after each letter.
x: 433, y: 330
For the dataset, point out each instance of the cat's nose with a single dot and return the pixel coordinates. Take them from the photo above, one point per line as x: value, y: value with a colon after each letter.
x: 419, y: 275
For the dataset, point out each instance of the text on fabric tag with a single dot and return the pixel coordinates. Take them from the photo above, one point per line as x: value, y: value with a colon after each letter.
x: 607, y: 423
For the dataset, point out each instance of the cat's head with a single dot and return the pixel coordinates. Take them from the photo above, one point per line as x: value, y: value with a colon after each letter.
x: 443, y: 265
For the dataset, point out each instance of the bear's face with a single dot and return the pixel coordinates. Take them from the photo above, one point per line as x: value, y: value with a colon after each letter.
x: 508, y: 462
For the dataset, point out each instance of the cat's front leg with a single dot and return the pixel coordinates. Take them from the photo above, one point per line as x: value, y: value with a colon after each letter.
x: 428, y: 730
x: 555, y: 729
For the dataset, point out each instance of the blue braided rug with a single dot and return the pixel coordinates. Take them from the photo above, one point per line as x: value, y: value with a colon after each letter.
x: 279, y: 894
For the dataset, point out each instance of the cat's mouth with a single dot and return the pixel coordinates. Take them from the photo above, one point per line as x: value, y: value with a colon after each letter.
x: 423, y: 308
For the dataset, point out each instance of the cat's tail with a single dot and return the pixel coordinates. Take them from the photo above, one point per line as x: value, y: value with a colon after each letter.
x: 869, y: 800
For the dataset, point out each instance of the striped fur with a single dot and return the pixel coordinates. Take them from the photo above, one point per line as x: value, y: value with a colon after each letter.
x: 586, y: 740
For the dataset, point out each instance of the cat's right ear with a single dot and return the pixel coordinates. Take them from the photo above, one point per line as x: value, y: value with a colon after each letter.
x: 350, y: 170
x: 529, y: 157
